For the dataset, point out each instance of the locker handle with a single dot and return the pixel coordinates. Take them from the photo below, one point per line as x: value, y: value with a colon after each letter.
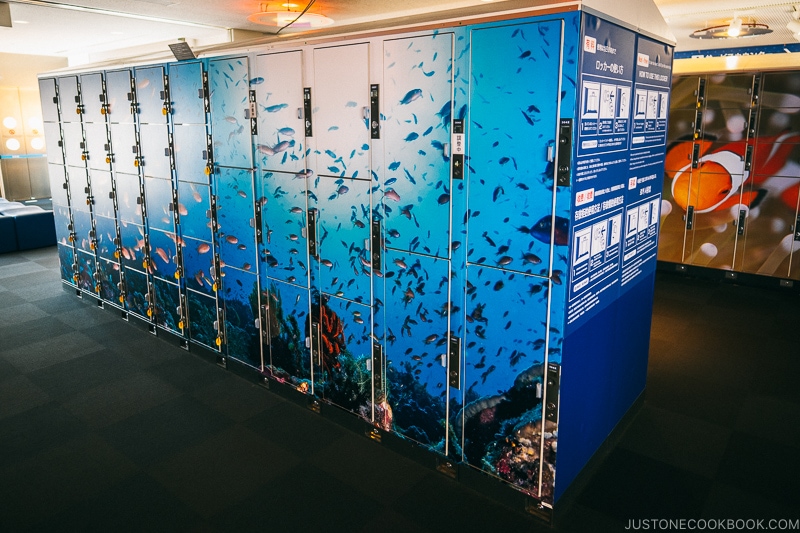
x: 300, y: 113
x: 446, y: 149
x: 365, y: 112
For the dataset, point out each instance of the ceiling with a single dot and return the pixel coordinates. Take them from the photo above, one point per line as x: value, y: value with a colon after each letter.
x: 87, y: 31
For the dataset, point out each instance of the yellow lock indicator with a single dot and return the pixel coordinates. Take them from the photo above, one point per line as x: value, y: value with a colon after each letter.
x: 121, y: 299
x: 136, y: 162
x: 116, y: 255
x: 102, y: 110
x: 149, y: 312
x: 177, y: 274
x: 108, y: 160
x: 219, y: 341
x: 208, y: 171
x: 164, y: 111
x: 144, y: 265
x: 214, y: 287
x: 180, y: 324
x: 78, y: 110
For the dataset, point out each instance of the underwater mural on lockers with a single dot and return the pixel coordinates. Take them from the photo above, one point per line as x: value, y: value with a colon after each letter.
x: 278, y: 84
x: 518, y: 228
x: 742, y: 113
x: 66, y: 259
x: 287, y: 357
x: 415, y: 206
x: 150, y: 95
x: 284, y: 238
x: 511, y: 137
x: 230, y: 108
x: 417, y: 103
x: 108, y: 282
x: 239, y: 294
x: 186, y: 93
x: 87, y: 266
x: 504, y: 429
x: 341, y: 360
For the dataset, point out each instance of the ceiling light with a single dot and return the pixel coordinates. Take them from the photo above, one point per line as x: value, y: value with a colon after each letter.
x: 10, y: 122
x: 13, y: 144
x: 279, y: 19
x: 21, y: 22
x: 735, y: 28
x: 37, y: 143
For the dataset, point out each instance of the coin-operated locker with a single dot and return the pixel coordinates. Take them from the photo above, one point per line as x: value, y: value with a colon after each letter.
x: 59, y: 186
x: 156, y: 166
x: 233, y: 123
x: 101, y: 187
x: 282, y: 211
x: 76, y: 155
x: 340, y: 202
x: 237, y: 258
x: 771, y: 240
x: 191, y: 145
x: 684, y: 133
x: 414, y: 224
x: 513, y: 234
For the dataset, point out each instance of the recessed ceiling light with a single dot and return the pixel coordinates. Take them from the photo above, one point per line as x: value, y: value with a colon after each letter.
x: 21, y: 22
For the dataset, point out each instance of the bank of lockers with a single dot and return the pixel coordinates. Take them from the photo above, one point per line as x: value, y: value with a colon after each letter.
x: 379, y: 223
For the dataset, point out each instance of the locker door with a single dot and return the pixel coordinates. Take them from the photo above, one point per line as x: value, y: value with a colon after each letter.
x: 230, y: 112
x: 501, y: 420
x: 284, y: 216
x: 58, y: 185
x: 93, y: 98
x: 343, y: 238
x: 340, y: 111
x: 102, y: 193
x: 52, y: 138
x: 151, y: 95
x: 279, y: 99
x: 237, y: 256
x: 190, y: 144
x: 98, y: 148
x: 511, y: 234
x: 341, y: 201
x: 513, y: 103
x: 286, y: 315
x: 129, y: 198
x: 74, y: 146
x: 120, y: 96
x: 124, y: 148
x: 187, y: 93
x: 415, y: 201
x: 158, y: 197
x: 65, y: 230
x: 417, y: 96
x: 194, y: 206
x: 282, y: 187
x: 49, y: 97
x: 155, y: 150
x: 69, y: 98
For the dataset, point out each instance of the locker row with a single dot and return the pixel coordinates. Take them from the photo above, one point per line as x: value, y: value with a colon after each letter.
x: 732, y: 178
x: 314, y: 213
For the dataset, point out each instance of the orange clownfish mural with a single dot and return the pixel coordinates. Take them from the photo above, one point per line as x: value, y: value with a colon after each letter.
x: 716, y: 183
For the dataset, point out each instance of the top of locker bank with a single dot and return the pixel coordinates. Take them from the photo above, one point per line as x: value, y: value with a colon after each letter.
x: 641, y: 16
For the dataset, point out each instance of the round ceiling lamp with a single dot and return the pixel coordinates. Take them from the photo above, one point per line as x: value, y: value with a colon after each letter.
x: 735, y: 29
x: 281, y: 18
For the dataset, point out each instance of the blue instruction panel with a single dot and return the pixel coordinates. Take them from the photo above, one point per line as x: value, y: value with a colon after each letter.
x: 601, y: 166
x: 648, y: 146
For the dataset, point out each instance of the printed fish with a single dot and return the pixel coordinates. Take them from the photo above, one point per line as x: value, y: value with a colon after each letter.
x: 541, y: 230
x: 720, y: 177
